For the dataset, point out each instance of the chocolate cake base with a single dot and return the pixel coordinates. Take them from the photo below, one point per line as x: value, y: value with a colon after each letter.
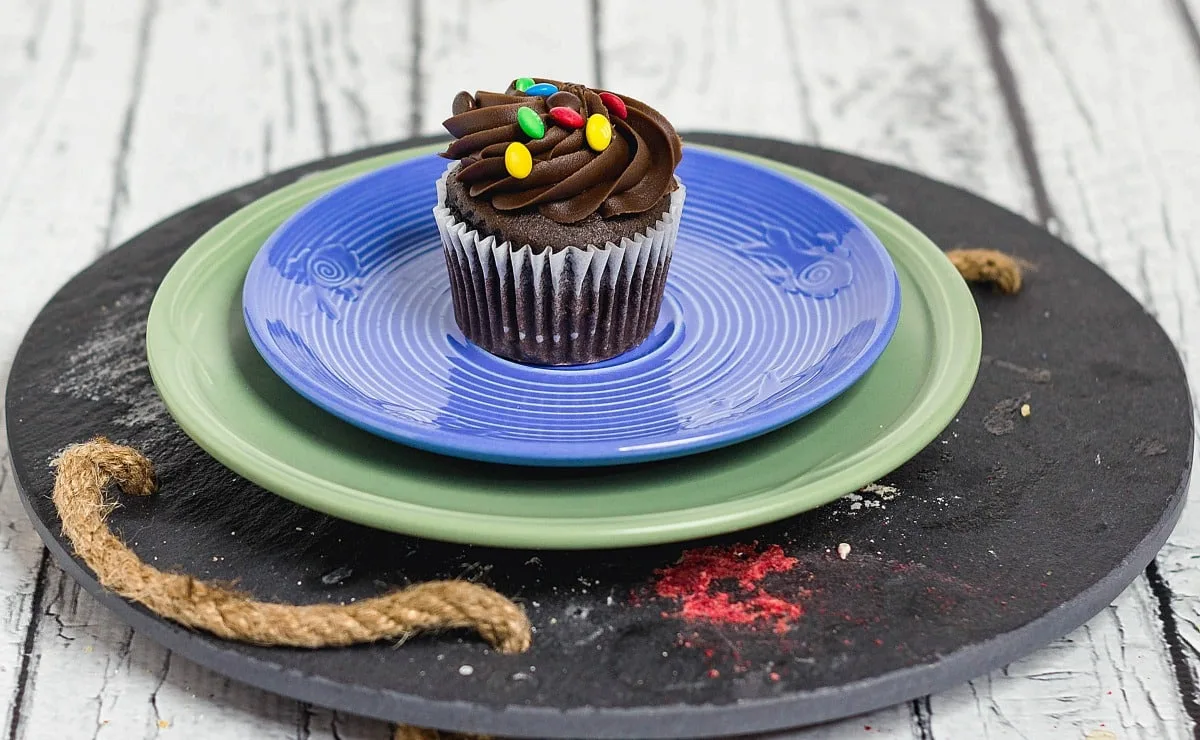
x: 547, y: 306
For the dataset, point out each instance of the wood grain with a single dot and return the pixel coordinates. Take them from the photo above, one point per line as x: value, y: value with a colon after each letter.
x: 1117, y: 174
x: 65, y: 76
x: 258, y: 87
x: 112, y: 120
x: 1110, y: 122
x: 472, y: 45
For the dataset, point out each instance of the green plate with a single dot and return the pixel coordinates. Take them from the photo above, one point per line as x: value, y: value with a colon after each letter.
x: 225, y: 398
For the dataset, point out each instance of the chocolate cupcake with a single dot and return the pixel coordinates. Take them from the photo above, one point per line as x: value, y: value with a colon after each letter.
x: 558, y: 218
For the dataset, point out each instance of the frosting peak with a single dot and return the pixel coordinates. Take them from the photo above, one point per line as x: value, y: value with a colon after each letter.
x: 605, y: 153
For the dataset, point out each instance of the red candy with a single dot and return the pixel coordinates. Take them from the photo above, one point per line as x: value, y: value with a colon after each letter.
x: 615, y: 105
x: 564, y: 116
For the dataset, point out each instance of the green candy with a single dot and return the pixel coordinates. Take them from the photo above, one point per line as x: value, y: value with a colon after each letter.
x: 530, y: 122
x: 523, y: 83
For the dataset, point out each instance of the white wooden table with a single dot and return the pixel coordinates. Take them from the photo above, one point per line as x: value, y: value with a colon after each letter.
x: 1080, y: 114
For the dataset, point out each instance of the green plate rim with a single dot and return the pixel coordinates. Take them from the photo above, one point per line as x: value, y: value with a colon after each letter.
x: 957, y: 326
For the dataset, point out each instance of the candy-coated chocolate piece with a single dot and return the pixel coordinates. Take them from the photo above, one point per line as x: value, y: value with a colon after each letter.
x: 544, y: 89
x: 615, y: 105
x: 530, y: 122
x: 523, y: 84
x: 463, y: 102
x: 598, y: 132
x: 517, y: 160
x: 565, y: 99
x: 566, y: 117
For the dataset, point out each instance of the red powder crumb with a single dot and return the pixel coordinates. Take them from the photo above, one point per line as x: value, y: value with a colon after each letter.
x: 867, y: 728
x: 878, y: 641
x: 713, y: 673
x: 694, y: 581
x: 774, y: 676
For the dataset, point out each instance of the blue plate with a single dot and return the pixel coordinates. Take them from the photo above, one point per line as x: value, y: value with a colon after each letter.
x: 777, y: 300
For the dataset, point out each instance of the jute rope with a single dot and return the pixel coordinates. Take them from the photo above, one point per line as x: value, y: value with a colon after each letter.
x: 85, y: 471
x: 989, y: 266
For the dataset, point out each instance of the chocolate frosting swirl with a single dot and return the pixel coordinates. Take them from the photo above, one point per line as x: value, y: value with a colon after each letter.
x: 569, y: 180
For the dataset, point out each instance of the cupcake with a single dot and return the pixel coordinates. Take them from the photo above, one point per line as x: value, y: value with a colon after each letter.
x: 558, y: 217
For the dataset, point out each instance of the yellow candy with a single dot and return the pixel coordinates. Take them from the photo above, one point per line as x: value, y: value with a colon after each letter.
x: 598, y: 132
x: 517, y: 160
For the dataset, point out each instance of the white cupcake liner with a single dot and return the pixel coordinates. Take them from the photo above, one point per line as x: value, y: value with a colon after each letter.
x: 557, y: 307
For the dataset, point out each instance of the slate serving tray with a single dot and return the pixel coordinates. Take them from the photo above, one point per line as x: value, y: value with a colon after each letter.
x: 1005, y: 533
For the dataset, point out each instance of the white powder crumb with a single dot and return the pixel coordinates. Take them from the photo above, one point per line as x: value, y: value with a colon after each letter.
x: 843, y: 550
x: 103, y: 368
x: 886, y: 493
x: 1025, y: 410
x: 465, y: 670
x: 856, y: 506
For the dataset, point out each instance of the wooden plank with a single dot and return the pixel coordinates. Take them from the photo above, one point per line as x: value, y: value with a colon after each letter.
x: 1092, y: 80
x: 485, y: 44
x: 1109, y: 675
x: 60, y: 121
x: 714, y: 65
x: 191, y: 99
x: 94, y: 677
x: 897, y: 82
x: 255, y: 87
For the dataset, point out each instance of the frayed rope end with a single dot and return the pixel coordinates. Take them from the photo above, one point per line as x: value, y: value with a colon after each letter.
x: 990, y: 266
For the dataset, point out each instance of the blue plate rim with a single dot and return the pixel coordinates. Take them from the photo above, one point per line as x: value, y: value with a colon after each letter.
x: 578, y: 454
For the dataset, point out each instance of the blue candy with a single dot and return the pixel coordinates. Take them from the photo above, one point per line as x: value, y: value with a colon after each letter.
x: 543, y: 89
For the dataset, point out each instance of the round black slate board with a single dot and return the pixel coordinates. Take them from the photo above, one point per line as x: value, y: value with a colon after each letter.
x: 1007, y: 532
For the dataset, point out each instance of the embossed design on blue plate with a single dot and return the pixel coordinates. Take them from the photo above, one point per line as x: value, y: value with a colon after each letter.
x: 748, y: 340
x: 815, y: 270
x: 295, y: 349
x: 329, y: 271
x: 779, y: 384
